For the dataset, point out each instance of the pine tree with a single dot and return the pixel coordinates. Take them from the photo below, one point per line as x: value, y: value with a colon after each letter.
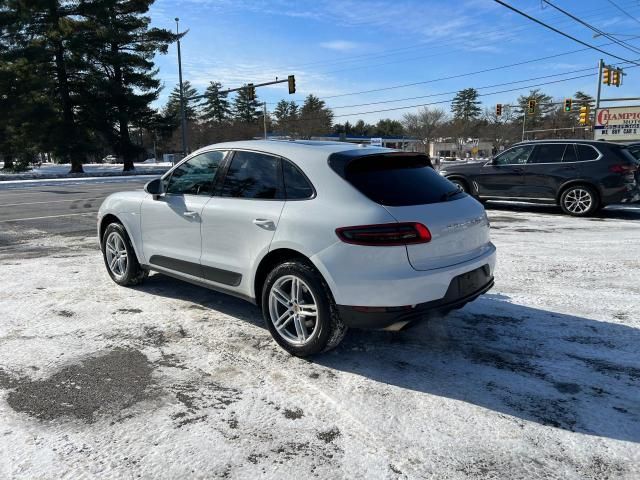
x: 466, y: 106
x: 245, y: 108
x: 315, y: 117
x: 544, y: 107
x: 41, y: 36
x: 191, y: 107
x: 216, y: 106
x: 121, y: 45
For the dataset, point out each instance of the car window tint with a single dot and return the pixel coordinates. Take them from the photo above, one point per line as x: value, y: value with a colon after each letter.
x: 570, y: 154
x: 398, y: 179
x: 296, y: 185
x: 195, y: 176
x: 516, y: 155
x: 586, y: 152
x: 548, y: 153
x: 252, y: 175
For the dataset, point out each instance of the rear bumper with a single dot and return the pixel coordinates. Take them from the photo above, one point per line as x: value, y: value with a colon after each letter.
x: 463, y: 288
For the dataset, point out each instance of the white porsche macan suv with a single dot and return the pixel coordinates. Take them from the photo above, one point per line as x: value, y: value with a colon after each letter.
x: 321, y: 235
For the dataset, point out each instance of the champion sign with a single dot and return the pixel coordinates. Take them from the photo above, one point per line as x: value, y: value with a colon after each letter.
x: 617, y: 124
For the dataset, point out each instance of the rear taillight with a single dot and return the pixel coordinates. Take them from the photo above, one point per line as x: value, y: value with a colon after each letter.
x: 622, y: 169
x: 384, y: 235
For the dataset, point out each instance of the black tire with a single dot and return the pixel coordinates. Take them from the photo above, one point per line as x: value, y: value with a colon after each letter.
x: 329, y: 329
x: 133, y: 273
x: 460, y: 183
x: 579, y: 201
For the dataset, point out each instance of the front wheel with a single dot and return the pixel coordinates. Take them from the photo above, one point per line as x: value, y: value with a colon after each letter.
x: 120, y: 258
x: 579, y: 201
x: 299, y: 310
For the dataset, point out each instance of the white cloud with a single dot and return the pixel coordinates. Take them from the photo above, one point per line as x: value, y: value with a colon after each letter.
x: 340, y: 45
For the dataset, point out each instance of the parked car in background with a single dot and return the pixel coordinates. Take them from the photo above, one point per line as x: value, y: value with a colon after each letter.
x: 580, y: 176
x: 634, y: 148
x: 110, y: 159
x: 322, y: 235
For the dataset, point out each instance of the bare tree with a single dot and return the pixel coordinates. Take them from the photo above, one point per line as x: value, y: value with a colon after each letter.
x: 425, y: 124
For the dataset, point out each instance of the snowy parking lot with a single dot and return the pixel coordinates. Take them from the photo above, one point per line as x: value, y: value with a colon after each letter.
x: 538, y: 378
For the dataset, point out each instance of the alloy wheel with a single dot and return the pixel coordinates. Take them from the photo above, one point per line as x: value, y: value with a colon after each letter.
x: 293, y: 310
x: 578, y: 200
x: 116, y: 254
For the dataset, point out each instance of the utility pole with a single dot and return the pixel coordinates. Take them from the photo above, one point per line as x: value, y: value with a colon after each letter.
x: 183, y: 119
x: 524, y: 121
x: 264, y: 117
x: 600, y: 67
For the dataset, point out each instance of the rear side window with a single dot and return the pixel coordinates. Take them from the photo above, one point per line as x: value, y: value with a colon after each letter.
x: 296, y: 185
x: 253, y: 175
x: 570, y: 154
x: 586, y: 153
x: 548, y: 153
x: 396, y: 179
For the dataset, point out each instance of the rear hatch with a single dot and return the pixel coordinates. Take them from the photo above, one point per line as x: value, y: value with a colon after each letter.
x: 412, y: 191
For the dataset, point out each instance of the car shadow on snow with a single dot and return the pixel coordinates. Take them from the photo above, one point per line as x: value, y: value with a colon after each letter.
x: 563, y: 371
x: 559, y: 370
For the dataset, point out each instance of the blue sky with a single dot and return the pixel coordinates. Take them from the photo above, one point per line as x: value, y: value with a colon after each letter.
x: 337, y: 47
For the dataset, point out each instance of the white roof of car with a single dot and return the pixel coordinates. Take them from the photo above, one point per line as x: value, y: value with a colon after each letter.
x: 294, y: 149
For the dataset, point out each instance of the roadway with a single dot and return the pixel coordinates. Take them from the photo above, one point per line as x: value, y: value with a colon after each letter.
x: 60, y: 207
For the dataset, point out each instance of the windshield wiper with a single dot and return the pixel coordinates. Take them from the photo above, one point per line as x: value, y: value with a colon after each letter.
x: 450, y: 194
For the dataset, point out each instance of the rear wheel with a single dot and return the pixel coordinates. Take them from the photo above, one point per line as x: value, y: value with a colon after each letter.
x: 460, y: 183
x: 579, y: 201
x: 299, y: 310
x: 120, y: 258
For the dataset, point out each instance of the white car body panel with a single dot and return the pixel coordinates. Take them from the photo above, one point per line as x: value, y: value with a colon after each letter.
x: 171, y: 227
x: 357, y: 275
x: 236, y: 233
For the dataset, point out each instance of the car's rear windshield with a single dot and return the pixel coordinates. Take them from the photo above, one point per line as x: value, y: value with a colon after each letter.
x: 394, y: 179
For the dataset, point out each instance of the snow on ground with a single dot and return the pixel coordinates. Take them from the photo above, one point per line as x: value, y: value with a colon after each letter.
x: 53, y: 170
x: 538, y: 378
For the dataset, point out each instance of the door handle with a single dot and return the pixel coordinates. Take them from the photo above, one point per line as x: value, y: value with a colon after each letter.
x: 189, y: 214
x: 262, y: 221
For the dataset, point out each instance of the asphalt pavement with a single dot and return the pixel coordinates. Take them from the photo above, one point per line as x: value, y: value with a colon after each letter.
x: 58, y: 207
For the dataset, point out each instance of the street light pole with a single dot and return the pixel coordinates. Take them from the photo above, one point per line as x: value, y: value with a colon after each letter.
x: 264, y: 118
x: 183, y: 119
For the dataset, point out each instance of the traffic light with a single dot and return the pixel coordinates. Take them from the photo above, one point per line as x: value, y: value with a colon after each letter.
x: 498, y: 109
x: 616, y: 77
x: 532, y: 107
x: 292, y: 84
x: 567, y: 104
x: 584, y: 115
x: 606, y: 76
x: 252, y: 91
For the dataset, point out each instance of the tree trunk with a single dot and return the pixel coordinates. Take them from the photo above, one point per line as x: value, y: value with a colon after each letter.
x: 8, y: 162
x: 71, y: 151
x: 124, y: 140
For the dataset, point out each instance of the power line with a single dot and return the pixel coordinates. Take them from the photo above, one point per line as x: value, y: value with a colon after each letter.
x: 623, y: 11
x: 591, y: 27
x: 546, y: 25
x: 451, y: 99
x: 456, y: 91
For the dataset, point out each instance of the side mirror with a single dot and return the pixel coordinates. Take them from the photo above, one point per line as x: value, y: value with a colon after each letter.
x: 155, y: 188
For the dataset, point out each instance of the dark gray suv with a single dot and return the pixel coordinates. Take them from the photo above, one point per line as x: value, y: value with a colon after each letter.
x: 581, y: 176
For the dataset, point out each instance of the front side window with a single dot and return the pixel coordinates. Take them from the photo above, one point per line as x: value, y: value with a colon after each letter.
x: 548, y: 153
x: 253, y: 175
x: 195, y: 176
x: 586, y: 153
x: 514, y: 156
x: 296, y: 185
